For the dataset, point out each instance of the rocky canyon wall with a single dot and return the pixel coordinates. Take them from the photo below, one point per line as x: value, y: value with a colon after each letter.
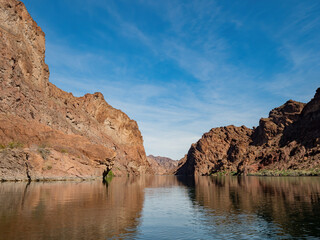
x: 287, y: 141
x: 47, y: 133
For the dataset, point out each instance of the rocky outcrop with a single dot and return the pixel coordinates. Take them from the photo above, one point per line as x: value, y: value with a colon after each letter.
x: 218, y: 150
x: 289, y: 139
x: 57, y: 135
x: 162, y: 165
x: 279, y: 118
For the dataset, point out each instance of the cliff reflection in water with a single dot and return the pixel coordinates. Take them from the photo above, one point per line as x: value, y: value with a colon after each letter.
x: 162, y: 207
x: 287, y: 207
x: 70, y: 210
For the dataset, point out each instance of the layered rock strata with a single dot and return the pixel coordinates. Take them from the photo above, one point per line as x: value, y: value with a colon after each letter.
x: 288, y: 140
x: 45, y: 132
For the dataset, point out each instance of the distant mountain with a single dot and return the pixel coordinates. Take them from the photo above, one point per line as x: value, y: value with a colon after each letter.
x: 285, y: 143
x: 162, y: 165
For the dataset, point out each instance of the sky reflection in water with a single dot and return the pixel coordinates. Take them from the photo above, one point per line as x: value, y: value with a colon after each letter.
x: 162, y: 207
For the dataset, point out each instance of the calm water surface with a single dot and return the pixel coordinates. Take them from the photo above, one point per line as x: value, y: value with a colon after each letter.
x: 163, y: 207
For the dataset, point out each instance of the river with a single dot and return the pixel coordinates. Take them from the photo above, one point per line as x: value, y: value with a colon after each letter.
x: 162, y: 207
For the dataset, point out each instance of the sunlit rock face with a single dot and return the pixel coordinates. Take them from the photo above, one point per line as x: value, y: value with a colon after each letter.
x: 289, y: 139
x: 46, y: 133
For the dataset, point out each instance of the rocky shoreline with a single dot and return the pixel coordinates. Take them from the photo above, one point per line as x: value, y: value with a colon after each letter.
x: 285, y: 143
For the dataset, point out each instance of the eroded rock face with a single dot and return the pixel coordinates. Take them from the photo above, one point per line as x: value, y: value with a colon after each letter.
x: 38, y: 115
x: 279, y: 118
x: 162, y: 165
x: 221, y: 149
x: 288, y: 139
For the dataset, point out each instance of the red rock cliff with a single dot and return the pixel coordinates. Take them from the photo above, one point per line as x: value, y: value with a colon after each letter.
x: 46, y: 133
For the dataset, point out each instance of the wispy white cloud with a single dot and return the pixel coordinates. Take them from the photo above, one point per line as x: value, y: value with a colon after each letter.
x: 299, y: 38
x: 173, y: 114
x: 171, y: 124
x: 168, y: 129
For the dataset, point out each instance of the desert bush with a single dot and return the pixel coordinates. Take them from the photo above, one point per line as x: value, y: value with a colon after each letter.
x: 108, y: 177
x: 13, y: 145
x: 44, y: 152
x: 64, y: 150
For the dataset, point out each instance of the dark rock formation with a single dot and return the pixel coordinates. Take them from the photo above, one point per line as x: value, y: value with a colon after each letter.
x: 289, y: 139
x: 50, y: 133
x: 162, y: 165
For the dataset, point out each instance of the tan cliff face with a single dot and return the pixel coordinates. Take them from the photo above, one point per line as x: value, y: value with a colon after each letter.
x: 289, y: 139
x: 37, y: 117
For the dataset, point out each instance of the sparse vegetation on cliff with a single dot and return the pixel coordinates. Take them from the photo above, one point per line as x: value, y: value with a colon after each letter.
x: 109, y: 177
x: 287, y: 173
x: 11, y: 145
x: 44, y: 151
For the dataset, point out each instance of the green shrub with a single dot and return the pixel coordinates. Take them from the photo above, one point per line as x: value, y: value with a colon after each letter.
x: 64, y: 150
x: 288, y: 172
x: 110, y: 174
x: 222, y: 173
x: 13, y: 145
x: 46, y: 166
x: 109, y: 177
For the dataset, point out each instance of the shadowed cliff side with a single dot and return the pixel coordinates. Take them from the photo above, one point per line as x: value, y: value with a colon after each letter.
x: 46, y: 133
x: 285, y: 143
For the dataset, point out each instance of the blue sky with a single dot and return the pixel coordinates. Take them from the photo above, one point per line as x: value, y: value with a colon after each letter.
x: 181, y: 67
